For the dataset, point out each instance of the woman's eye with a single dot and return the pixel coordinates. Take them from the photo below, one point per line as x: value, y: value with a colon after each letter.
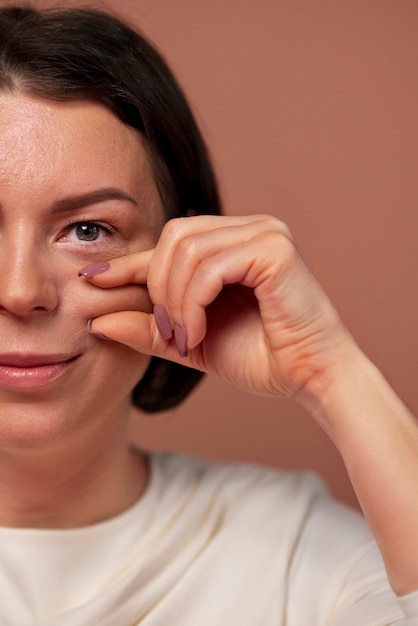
x: 88, y: 231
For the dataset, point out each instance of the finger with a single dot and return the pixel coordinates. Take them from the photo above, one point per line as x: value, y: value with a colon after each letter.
x: 129, y: 269
x: 204, y: 262
x: 138, y: 331
x: 183, y: 245
x: 173, y: 233
x: 255, y: 263
x: 194, y: 249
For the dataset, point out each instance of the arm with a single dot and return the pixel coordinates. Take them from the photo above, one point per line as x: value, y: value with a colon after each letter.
x: 378, y: 439
x: 247, y: 309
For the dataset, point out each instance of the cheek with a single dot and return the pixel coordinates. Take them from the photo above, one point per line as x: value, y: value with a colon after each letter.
x: 80, y: 302
x: 87, y: 301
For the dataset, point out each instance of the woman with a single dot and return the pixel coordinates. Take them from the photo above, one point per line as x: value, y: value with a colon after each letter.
x: 100, y: 289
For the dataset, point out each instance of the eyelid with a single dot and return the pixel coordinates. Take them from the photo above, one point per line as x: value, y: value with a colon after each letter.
x: 105, y: 225
x: 109, y: 229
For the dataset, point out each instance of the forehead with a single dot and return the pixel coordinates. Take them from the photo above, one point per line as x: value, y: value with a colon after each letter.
x: 62, y: 145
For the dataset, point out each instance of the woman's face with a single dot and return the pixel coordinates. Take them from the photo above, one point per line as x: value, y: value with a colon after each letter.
x: 76, y: 188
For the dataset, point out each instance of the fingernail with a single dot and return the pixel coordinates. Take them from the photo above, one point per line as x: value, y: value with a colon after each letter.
x: 92, y: 332
x: 92, y: 270
x: 180, y: 335
x: 163, y: 321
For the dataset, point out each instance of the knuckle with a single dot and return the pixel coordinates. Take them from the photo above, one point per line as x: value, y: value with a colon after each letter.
x: 281, y: 247
x: 288, y: 256
x: 173, y: 229
x: 273, y: 223
x: 207, y: 268
x: 286, y: 231
x: 188, y: 248
x: 287, y: 249
x: 282, y: 228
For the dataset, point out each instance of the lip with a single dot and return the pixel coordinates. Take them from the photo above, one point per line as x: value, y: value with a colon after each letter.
x: 31, y: 371
x: 33, y: 360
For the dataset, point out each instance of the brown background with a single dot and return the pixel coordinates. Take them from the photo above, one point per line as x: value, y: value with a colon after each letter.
x: 310, y: 109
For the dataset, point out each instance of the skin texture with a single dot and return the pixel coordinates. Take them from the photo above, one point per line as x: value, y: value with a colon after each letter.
x: 235, y: 294
x: 68, y: 436
x: 242, y: 305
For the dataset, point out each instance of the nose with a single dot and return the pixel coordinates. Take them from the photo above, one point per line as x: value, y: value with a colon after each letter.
x: 26, y: 287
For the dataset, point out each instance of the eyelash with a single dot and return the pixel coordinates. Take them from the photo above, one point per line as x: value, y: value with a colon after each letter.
x: 107, y: 228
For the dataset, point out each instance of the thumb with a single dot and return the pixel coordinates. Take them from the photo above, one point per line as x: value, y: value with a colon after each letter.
x: 139, y: 331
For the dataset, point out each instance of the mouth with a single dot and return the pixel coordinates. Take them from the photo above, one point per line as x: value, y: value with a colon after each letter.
x: 33, y: 360
x: 30, y: 371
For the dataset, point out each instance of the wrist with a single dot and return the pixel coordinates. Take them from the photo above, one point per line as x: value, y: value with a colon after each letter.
x: 336, y: 395
x: 377, y: 437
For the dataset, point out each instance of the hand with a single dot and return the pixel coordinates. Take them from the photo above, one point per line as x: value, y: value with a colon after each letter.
x: 255, y: 316
x: 241, y: 300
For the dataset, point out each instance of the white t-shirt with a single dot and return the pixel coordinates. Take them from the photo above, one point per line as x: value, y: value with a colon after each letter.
x: 207, y: 545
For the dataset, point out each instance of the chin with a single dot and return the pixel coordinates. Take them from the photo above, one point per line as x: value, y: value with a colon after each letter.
x: 30, y: 427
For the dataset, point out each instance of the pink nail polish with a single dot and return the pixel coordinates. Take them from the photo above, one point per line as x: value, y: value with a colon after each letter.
x: 95, y: 268
x: 180, y: 335
x: 163, y: 322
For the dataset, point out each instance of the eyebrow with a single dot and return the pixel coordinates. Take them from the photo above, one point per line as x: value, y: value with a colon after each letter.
x: 72, y: 203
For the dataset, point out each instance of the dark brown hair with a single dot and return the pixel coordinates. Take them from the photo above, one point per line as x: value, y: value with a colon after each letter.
x: 74, y: 54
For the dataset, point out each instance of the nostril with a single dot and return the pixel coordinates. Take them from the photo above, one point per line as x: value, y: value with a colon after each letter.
x: 24, y: 291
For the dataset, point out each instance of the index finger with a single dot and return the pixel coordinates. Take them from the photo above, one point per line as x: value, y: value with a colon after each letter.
x: 130, y: 269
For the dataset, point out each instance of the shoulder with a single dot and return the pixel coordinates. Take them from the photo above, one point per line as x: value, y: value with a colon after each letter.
x: 294, y: 499
x: 316, y: 551
x: 235, y: 479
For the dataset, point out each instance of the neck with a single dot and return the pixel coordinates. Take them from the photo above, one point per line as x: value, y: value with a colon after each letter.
x: 70, y: 485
